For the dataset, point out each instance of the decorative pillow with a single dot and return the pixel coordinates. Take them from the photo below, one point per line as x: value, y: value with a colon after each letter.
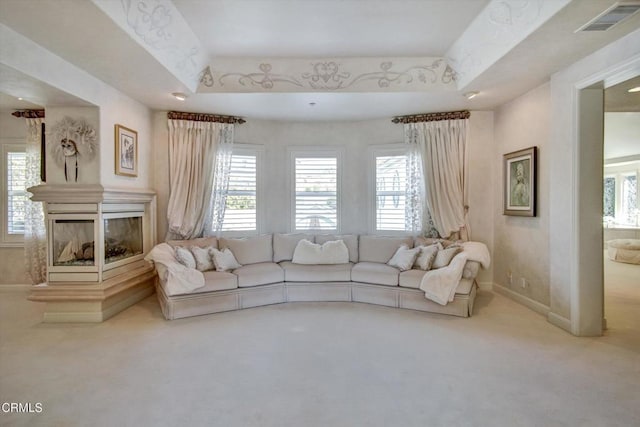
x: 350, y: 240
x: 426, y: 256
x: 404, y: 258
x: 444, y: 256
x: 285, y: 244
x: 224, y: 259
x: 185, y: 257
x: 204, y: 260
x: 331, y: 252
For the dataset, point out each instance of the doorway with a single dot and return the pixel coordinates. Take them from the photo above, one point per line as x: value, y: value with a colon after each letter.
x: 621, y: 209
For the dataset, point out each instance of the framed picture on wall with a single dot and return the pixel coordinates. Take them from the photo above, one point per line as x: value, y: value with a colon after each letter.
x: 126, y: 156
x: 520, y: 182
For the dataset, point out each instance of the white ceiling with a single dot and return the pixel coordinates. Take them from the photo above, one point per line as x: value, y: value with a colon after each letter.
x: 81, y: 33
x: 328, y: 28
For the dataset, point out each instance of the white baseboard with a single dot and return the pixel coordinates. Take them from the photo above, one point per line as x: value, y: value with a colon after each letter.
x: 15, y: 288
x: 526, y: 301
x: 559, y: 321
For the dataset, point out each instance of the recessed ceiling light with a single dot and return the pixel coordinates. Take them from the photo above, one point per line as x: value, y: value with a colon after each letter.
x: 20, y: 98
x: 634, y: 89
x: 179, y: 96
x: 313, y: 104
x: 471, y: 95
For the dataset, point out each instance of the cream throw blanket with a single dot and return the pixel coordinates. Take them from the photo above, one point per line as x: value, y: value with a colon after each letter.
x: 440, y: 285
x: 177, y: 278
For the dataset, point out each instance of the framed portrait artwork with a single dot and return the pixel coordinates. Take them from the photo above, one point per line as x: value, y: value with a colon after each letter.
x: 126, y: 155
x: 520, y: 182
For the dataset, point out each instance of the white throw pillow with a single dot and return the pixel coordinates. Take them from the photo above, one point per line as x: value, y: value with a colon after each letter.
x: 185, y: 257
x: 224, y: 260
x: 404, y: 258
x: 331, y: 252
x: 427, y: 255
x: 444, y: 256
x: 204, y: 260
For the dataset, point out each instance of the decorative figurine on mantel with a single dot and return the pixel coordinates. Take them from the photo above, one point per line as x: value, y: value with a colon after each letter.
x: 73, y: 140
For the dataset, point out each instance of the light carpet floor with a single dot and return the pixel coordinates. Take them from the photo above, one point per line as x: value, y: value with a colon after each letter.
x: 315, y: 364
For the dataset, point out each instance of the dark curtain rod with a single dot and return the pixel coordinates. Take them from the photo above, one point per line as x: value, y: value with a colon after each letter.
x: 29, y: 114
x: 200, y: 117
x: 432, y: 117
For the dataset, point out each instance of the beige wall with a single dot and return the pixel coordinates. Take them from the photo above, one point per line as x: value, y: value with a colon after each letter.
x: 521, y: 243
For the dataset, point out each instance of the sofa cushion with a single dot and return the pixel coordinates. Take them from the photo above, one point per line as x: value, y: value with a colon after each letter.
x: 201, y: 242
x: 259, y: 274
x: 376, y: 273
x: 351, y: 240
x: 285, y: 244
x: 381, y: 249
x: 250, y: 250
x: 413, y: 278
x: 316, y: 273
x: 218, y: 281
x: 331, y: 252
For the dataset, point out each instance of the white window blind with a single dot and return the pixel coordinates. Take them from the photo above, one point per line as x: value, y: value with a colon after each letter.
x: 390, y: 179
x: 240, y: 211
x: 316, y: 193
x: 16, y: 194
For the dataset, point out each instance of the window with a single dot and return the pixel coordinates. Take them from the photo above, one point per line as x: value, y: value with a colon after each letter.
x: 388, y: 187
x: 620, y: 202
x: 241, y: 212
x: 316, y: 190
x: 13, y: 192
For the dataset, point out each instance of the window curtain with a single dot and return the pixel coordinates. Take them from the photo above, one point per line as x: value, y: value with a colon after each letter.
x: 199, y: 163
x: 438, y: 151
x: 35, y: 233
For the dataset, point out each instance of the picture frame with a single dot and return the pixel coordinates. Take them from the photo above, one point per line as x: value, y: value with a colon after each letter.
x: 520, y: 182
x: 126, y: 153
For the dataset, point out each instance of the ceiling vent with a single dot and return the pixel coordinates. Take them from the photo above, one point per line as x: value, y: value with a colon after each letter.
x: 612, y: 16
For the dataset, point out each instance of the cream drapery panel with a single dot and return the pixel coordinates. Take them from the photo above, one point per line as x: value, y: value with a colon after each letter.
x: 193, y: 166
x: 35, y: 233
x: 442, y: 149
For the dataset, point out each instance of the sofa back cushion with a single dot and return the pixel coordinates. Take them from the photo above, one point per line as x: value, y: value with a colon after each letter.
x: 381, y: 249
x: 201, y: 242
x: 250, y: 250
x: 351, y: 240
x: 285, y: 244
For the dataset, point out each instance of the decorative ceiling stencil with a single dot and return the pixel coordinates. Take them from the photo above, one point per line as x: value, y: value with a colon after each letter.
x: 327, y: 75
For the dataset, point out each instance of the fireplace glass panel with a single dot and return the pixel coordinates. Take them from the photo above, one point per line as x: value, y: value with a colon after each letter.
x: 73, y: 242
x: 122, y: 238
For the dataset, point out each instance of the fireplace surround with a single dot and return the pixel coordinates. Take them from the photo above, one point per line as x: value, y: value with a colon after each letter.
x: 97, y: 238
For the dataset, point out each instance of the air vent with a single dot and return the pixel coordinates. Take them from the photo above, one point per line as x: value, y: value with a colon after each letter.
x: 612, y: 16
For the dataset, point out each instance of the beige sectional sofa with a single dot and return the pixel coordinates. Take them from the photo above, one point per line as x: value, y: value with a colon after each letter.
x: 267, y: 276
